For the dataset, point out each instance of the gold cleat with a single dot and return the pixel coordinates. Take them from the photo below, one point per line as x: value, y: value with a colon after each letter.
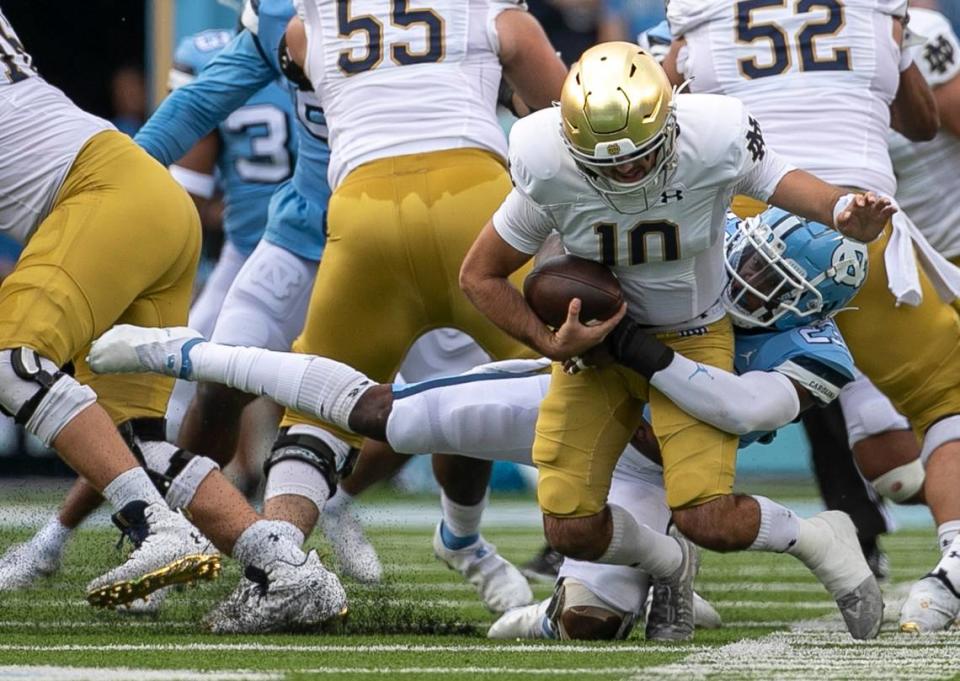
x: 186, y: 570
x: 909, y: 628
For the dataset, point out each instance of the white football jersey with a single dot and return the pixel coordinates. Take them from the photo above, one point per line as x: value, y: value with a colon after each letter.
x: 928, y: 173
x: 819, y: 75
x: 41, y: 132
x: 669, y: 258
x: 394, y: 80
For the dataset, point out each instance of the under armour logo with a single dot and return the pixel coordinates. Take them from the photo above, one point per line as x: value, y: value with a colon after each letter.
x: 954, y: 554
x: 273, y: 536
x: 197, y: 539
x: 700, y: 370
x: 755, y: 144
x: 480, y: 552
x: 939, y: 54
x: 356, y: 391
x: 675, y: 195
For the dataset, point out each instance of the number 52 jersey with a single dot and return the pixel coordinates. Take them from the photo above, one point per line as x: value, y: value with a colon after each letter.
x: 819, y: 75
x: 668, y: 256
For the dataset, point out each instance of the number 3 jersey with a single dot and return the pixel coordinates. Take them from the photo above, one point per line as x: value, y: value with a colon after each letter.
x: 396, y: 79
x: 668, y: 257
x: 819, y: 75
x: 258, y: 142
x: 41, y: 133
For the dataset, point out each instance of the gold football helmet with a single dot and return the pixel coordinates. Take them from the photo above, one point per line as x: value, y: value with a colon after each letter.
x: 619, y: 121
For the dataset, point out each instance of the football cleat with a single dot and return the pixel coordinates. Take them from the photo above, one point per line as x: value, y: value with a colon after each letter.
x: 167, y: 550
x: 499, y: 584
x: 843, y: 570
x: 705, y: 616
x: 283, y: 597
x: 355, y: 554
x: 932, y: 606
x: 23, y: 564
x: 543, y: 567
x: 148, y: 605
x: 527, y: 621
x: 128, y: 349
x: 671, y: 614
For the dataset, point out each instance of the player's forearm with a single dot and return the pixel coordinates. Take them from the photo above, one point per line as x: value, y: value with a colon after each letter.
x: 803, y: 194
x: 756, y: 401
x: 505, y: 306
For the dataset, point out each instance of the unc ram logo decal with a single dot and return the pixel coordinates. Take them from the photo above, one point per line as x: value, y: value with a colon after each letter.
x: 849, y: 263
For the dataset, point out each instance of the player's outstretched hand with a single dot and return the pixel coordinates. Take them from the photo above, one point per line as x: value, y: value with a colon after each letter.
x: 574, y: 338
x: 865, y: 216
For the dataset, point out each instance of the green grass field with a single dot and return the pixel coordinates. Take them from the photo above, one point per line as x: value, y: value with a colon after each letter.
x: 426, y: 623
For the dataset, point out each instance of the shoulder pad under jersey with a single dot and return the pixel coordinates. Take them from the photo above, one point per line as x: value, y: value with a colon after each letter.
x: 686, y: 15
x: 539, y: 163
x: 711, y: 138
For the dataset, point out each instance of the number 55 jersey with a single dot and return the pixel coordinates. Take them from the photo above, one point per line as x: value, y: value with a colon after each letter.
x: 816, y: 61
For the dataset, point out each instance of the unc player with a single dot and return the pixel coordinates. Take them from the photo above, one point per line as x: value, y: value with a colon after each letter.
x: 835, y: 70
x: 490, y: 413
x: 76, y: 189
x: 252, y: 151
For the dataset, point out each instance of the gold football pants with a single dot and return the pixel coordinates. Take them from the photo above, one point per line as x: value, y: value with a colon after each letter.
x: 912, y: 354
x: 588, y: 418
x: 120, y: 245
x: 398, y: 230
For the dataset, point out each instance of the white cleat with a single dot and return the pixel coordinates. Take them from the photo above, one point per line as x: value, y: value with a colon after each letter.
x: 284, y: 597
x: 932, y: 605
x: 168, y: 550
x: 23, y: 564
x: 126, y: 349
x: 356, y: 556
x: 843, y: 570
x: 704, y: 614
x: 500, y: 585
x: 525, y: 622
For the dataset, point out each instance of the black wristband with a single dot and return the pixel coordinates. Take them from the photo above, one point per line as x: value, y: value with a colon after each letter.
x: 643, y: 352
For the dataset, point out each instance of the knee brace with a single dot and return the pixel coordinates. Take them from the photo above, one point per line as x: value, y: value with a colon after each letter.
x: 177, y: 473
x: 38, y: 395
x: 576, y: 613
x: 312, y: 451
x: 901, y: 483
x: 940, y: 433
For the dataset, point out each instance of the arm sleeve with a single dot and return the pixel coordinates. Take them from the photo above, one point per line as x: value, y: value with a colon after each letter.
x: 761, y: 168
x: 522, y: 223
x: 195, y: 109
x: 756, y: 401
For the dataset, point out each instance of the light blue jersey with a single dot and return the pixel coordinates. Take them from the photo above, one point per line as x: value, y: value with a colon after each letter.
x: 813, y: 356
x: 258, y: 143
x: 250, y: 62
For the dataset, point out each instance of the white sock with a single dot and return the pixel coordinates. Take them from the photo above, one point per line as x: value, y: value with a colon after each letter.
x: 949, y: 565
x: 640, y: 546
x: 812, y: 543
x: 461, y: 520
x: 52, y: 537
x: 268, y: 540
x: 946, y: 533
x: 297, y: 478
x: 131, y: 485
x: 313, y: 385
x: 779, y: 527
x: 339, y: 503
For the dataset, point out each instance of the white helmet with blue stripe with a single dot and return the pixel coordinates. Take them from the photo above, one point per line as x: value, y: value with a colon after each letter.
x: 786, y: 271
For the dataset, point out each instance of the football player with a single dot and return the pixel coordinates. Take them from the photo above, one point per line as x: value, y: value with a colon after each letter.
x: 836, y: 72
x: 797, y: 360
x: 620, y: 185
x: 75, y: 189
x: 299, y: 479
x: 252, y: 151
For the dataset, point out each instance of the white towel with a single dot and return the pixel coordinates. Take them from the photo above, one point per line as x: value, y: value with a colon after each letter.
x: 903, y: 278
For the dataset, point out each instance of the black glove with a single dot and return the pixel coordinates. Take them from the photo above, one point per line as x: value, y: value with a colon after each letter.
x: 632, y: 347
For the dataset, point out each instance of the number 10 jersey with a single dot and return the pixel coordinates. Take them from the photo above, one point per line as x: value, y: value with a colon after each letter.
x: 395, y: 80
x: 819, y: 75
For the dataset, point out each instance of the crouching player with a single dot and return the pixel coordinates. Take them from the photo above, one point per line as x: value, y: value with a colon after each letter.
x: 795, y: 270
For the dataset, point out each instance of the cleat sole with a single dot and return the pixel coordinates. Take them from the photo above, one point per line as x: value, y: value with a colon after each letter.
x: 186, y: 570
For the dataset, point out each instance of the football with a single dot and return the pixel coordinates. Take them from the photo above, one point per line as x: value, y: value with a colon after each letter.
x: 551, y: 286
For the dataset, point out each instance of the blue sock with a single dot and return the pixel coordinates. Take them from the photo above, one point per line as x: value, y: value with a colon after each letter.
x: 452, y: 541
